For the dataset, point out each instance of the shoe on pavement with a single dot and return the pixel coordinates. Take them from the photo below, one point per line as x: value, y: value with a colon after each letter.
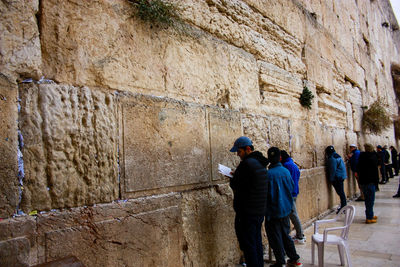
x: 375, y: 218
x: 296, y: 263
x: 397, y: 195
x: 300, y: 241
x: 360, y: 199
x: 369, y: 221
x: 276, y: 265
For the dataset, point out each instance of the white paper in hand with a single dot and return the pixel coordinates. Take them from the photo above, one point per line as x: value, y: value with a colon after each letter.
x: 224, y: 170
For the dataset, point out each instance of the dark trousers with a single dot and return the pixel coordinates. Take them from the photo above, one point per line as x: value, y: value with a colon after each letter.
x: 279, y: 239
x: 383, y: 173
x: 389, y: 171
x: 248, y: 232
x: 369, y: 196
x: 396, y: 167
x: 338, y: 185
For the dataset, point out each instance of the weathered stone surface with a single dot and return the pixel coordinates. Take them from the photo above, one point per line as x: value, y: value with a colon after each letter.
x: 9, y: 191
x: 225, y: 127
x: 121, y: 241
x: 14, y: 252
x: 166, y: 143
x: 237, y: 23
x: 208, y: 225
x: 70, y: 146
x: 20, y: 53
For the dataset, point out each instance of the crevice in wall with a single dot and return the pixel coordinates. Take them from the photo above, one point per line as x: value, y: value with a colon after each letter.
x: 38, y: 16
x: 21, y: 172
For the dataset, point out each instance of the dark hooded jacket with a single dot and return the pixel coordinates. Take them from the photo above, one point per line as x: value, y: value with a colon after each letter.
x: 336, y: 170
x: 367, y: 168
x: 249, y: 185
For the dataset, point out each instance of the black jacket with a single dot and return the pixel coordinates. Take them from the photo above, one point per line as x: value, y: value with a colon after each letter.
x: 367, y: 168
x: 249, y: 185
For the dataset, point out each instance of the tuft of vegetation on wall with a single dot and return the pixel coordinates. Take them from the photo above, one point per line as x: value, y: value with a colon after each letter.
x: 157, y: 12
x: 376, y: 119
x: 306, y: 98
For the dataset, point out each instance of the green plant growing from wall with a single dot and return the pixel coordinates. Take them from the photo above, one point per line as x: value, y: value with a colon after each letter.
x: 157, y: 12
x: 376, y: 118
x: 306, y: 98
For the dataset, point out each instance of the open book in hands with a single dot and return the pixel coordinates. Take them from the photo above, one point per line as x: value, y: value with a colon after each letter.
x: 224, y: 170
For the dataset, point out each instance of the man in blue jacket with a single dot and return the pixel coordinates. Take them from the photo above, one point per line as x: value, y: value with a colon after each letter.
x: 279, y: 206
x: 289, y: 164
x: 336, y: 172
x: 353, y: 157
x: 249, y: 185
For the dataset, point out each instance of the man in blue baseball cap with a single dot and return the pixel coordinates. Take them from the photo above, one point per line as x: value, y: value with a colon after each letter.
x: 249, y: 185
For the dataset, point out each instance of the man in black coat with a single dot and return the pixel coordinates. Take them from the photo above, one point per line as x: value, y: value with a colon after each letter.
x: 368, y: 177
x: 395, y: 161
x: 249, y: 185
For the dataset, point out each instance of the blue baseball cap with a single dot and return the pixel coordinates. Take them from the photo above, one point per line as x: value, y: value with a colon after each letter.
x: 242, y: 141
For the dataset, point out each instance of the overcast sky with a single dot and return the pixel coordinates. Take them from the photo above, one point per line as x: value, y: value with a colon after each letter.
x: 396, y: 9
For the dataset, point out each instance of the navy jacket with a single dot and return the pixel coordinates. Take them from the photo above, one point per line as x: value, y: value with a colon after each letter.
x: 249, y: 185
x: 280, y: 188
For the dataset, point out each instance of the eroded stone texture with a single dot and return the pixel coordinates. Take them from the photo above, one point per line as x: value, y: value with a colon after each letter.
x: 9, y: 191
x: 208, y: 225
x: 225, y: 127
x: 166, y: 143
x: 70, y: 146
x: 20, y: 53
x: 15, y: 252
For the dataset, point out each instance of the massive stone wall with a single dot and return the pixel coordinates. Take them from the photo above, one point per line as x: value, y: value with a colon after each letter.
x: 112, y: 128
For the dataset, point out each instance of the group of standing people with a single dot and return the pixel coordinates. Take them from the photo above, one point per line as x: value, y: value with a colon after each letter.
x: 270, y: 195
x: 264, y: 194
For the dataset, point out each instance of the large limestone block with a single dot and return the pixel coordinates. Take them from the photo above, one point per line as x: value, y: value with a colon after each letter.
x: 208, y: 225
x: 293, y: 21
x: 245, y: 27
x: 20, y: 44
x: 205, y: 70
x: 166, y: 143
x: 70, y: 146
x: 147, y: 239
x: 331, y: 110
x: 225, y: 127
x: 81, y: 47
x: 9, y: 190
x: 15, y: 252
x: 302, y: 142
x: 319, y: 70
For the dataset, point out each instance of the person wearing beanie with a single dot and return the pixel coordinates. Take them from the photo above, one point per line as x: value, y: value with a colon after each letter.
x: 336, y: 172
x: 353, y: 157
x: 279, y: 206
x: 368, y: 178
x: 249, y: 186
x: 289, y: 164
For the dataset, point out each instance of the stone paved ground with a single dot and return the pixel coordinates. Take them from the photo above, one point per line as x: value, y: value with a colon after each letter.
x: 370, y: 244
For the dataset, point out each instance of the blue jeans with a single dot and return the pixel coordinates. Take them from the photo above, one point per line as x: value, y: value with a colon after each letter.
x: 338, y: 185
x: 248, y: 232
x: 369, y: 196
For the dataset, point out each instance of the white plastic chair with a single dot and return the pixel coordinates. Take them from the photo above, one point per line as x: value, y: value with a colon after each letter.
x: 340, y: 240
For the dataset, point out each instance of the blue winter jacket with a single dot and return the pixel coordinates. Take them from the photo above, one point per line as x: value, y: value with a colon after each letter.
x: 336, y: 169
x: 295, y: 173
x: 280, y: 188
x: 354, y: 160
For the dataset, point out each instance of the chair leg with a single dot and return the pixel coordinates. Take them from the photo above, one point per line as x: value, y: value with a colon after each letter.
x: 312, y: 252
x: 341, y: 251
x: 321, y: 254
x: 347, y: 255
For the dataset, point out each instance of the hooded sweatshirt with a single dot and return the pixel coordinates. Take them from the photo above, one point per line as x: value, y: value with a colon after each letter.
x: 249, y: 185
x: 336, y: 169
x: 295, y: 173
